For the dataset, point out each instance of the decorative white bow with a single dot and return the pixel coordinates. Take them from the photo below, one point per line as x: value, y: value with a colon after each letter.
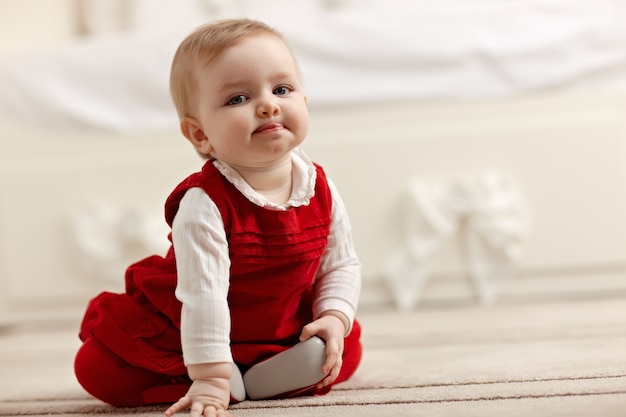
x: 489, y: 217
x: 110, y: 238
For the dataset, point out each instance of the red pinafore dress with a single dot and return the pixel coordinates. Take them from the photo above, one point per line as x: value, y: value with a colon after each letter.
x: 274, y: 257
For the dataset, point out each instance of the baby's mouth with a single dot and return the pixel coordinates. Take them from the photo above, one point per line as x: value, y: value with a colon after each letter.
x: 269, y: 127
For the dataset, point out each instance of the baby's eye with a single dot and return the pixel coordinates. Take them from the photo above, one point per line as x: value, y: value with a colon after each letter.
x: 282, y: 90
x: 238, y: 99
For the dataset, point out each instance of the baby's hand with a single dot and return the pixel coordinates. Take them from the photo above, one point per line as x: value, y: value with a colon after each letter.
x: 331, y: 328
x: 208, y: 395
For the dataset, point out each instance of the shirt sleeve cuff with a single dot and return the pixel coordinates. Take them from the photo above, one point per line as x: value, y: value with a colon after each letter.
x: 207, y: 354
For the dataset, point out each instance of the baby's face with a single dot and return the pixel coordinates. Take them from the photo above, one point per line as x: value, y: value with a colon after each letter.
x: 250, y: 103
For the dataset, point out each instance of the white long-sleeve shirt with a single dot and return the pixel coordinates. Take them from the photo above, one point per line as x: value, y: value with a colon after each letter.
x: 203, y: 262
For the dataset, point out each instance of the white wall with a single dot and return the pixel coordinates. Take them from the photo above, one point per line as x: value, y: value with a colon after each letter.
x: 32, y: 24
x: 565, y: 152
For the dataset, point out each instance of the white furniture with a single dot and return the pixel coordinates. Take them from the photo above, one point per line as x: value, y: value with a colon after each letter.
x: 566, y: 152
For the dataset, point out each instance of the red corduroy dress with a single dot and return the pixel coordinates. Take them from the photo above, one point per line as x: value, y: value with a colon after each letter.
x: 132, y: 353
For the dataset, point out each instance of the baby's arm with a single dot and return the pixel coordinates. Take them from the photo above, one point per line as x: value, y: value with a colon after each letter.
x: 203, y: 271
x: 210, y: 392
x: 337, y: 288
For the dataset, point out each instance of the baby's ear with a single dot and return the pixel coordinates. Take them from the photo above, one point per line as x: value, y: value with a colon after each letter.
x: 194, y: 133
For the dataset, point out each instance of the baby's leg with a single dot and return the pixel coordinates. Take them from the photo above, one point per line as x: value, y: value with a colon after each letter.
x: 237, y: 388
x: 292, y: 372
x: 109, y: 378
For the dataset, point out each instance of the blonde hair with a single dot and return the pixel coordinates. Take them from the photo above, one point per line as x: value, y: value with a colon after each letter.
x: 200, y: 48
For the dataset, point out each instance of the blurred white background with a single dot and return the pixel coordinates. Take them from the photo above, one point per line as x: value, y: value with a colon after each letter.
x: 518, y: 107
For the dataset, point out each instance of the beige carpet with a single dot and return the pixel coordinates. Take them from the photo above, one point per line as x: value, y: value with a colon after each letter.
x: 542, y: 359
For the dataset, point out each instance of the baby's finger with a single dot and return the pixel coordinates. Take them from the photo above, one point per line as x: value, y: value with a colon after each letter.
x: 331, y: 367
x: 177, y: 406
x: 333, y: 356
x: 308, y: 331
x: 198, y: 410
x: 211, y: 411
x: 330, y: 378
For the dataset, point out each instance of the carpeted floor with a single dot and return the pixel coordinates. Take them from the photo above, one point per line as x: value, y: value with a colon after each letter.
x: 563, y: 358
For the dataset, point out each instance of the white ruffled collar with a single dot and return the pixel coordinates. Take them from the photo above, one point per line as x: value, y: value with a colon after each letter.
x: 304, y: 175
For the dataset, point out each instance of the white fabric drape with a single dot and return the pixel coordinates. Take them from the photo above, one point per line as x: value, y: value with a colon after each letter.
x: 487, y: 215
x: 349, y: 51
